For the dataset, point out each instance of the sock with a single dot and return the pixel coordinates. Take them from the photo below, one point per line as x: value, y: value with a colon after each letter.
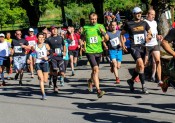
x: 61, y: 78
x: 142, y: 78
x: 135, y: 74
x: 55, y: 81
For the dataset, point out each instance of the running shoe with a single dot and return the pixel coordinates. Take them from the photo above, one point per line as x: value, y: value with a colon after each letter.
x: 117, y: 80
x: 165, y: 85
x: 131, y: 85
x: 55, y: 90
x: 44, y: 97
x: 20, y: 83
x: 50, y: 84
x: 4, y: 83
x: 32, y: 76
x: 90, y: 85
x: 153, y: 79
x: 160, y: 84
x: 145, y: 90
x: 137, y: 79
x: 100, y: 94
x: 73, y: 74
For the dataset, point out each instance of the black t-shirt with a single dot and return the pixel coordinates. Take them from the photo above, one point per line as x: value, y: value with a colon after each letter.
x: 56, y: 44
x: 18, y: 50
x: 170, y: 36
x: 137, y: 31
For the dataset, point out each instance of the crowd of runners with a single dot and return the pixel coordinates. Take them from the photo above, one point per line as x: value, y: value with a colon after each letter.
x: 50, y: 51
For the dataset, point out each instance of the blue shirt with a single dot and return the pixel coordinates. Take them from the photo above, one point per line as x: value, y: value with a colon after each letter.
x: 67, y: 43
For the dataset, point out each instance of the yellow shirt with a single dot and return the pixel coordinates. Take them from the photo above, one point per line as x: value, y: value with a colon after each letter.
x: 9, y: 40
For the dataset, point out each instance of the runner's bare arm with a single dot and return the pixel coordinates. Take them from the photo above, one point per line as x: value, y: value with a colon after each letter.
x: 123, y: 40
x: 167, y: 47
x: 64, y: 50
x: 149, y: 36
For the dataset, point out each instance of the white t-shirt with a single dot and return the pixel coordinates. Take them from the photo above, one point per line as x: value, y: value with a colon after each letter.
x: 153, y: 27
x: 4, y: 49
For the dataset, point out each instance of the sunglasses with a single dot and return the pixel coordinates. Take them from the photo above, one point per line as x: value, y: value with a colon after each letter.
x: 18, y: 34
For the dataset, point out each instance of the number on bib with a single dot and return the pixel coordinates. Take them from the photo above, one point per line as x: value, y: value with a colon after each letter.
x: 114, y: 42
x: 58, y: 51
x: 1, y: 62
x: 32, y: 43
x: 18, y: 49
x: 40, y: 54
x: 93, y: 40
x: 139, y: 39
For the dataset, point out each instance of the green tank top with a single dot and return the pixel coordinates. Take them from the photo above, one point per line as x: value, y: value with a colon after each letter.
x: 93, y: 38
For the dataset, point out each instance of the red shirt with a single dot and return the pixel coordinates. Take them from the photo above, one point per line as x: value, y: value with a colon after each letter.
x: 173, y: 25
x: 32, y: 41
x: 74, y: 43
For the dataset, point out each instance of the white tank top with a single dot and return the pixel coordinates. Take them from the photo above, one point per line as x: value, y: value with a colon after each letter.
x: 153, y: 27
x: 40, y: 53
x: 4, y: 49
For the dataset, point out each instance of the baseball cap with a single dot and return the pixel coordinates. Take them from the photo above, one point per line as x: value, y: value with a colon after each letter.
x: 31, y: 29
x: 136, y: 10
x: 2, y: 35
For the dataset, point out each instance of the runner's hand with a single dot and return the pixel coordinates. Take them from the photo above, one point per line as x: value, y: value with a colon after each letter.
x: 45, y: 58
x: 160, y: 37
x: 125, y: 49
x: 64, y: 53
x: 102, y: 30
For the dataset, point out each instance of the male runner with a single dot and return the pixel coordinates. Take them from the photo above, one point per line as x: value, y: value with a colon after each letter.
x: 136, y: 29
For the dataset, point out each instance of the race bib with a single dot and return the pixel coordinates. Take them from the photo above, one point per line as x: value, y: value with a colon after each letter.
x: 58, y: 51
x: 41, y: 54
x: 18, y: 49
x: 93, y: 40
x: 139, y: 39
x: 32, y: 43
x: 154, y: 35
x: 1, y: 62
x: 114, y: 42
x: 72, y: 43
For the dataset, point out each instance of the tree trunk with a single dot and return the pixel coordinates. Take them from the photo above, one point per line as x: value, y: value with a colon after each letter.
x: 98, y: 5
x: 63, y: 12
x: 32, y: 11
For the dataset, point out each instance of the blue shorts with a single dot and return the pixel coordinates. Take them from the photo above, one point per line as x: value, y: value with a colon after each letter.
x: 115, y: 54
x: 44, y: 67
x: 33, y: 54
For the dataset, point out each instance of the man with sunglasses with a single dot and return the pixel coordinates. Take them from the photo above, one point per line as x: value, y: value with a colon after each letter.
x: 136, y: 29
x: 19, y: 46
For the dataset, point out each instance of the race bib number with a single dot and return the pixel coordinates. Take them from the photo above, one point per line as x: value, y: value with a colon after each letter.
x: 58, y: 51
x: 93, y: 40
x: 114, y: 42
x: 1, y: 62
x: 32, y: 43
x: 139, y: 39
x: 18, y: 49
x: 72, y: 43
x: 41, y: 54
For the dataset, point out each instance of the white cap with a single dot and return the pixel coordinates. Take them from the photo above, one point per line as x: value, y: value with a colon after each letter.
x: 136, y: 10
x: 2, y: 35
x: 31, y: 29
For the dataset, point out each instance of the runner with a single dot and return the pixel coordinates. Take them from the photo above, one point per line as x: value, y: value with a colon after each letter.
x: 73, y: 48
x: 18, y: 47
x: 9, y: 41
x: 4, y: 57
x: 42, y: 65
x: 170, y: 37
x: 136, y: 29
x: 58, y: 48
x: 153, y: 47
x: 93, y: 37
x: 31, y: 57
x: 115, y: 49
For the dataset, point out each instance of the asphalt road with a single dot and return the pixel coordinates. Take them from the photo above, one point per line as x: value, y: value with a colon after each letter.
x: 74, y: 104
